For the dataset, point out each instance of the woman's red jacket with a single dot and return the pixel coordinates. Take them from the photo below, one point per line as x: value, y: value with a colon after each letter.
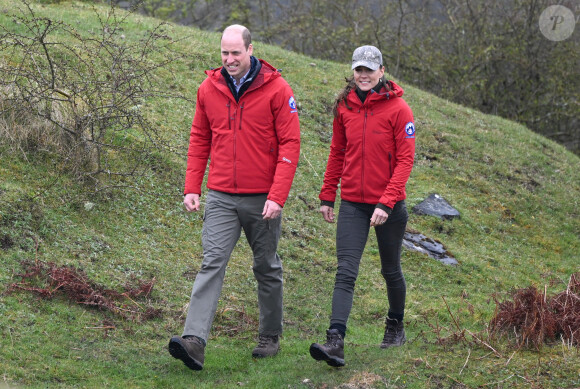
x: 372, y: 149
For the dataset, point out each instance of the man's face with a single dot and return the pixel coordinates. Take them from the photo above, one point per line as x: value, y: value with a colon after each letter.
x: 235, y: 57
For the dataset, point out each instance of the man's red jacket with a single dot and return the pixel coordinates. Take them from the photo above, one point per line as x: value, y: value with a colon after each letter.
x: 253, y: 144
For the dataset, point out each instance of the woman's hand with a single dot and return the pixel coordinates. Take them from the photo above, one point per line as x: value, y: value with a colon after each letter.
x: 327, y: 213
x: 379, y: 217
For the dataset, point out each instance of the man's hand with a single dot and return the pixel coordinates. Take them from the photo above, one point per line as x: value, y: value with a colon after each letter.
x: 271, y: 210
x: 327, y: 213
x: 191, y: 202
x: 379, y: 217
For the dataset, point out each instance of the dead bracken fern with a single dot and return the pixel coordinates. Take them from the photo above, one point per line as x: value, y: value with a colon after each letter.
x: 566, y: 308
x: 48, y: 280
x: 536, y: 318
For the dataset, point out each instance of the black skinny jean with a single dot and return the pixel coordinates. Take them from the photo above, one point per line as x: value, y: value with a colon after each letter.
x: 351, y: 237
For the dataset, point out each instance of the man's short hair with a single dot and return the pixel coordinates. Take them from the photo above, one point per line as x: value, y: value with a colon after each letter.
x: 246, y: 35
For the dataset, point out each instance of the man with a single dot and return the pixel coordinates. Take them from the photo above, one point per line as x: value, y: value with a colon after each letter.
x: 246, y: 119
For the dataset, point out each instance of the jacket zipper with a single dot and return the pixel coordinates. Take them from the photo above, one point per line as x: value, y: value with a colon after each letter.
x: 362, y: 170
x: 230, y: 118
x: 241, y: 107
x: 390, y: 165
x: 241, y: 112
x: 235, y: 136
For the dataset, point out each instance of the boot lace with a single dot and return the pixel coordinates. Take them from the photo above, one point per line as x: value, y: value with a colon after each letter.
x: 332, y: 340
x: 390, y: 334
x: 265, y: 340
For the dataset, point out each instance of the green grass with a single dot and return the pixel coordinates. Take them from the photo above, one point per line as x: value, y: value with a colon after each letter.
x: 518, y: 194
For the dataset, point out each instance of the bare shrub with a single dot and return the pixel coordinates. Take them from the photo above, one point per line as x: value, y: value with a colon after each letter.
x: 85, y: 91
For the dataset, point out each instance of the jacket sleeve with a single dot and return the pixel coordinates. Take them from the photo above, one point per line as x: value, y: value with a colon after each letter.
x: 335, y: 163
x: 199, y: 146
x: 287, y: 128
x: 404, y: 134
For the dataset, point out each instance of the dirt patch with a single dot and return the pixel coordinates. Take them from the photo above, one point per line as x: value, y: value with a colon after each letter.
x: 6, y: 242
x: 362, y: 380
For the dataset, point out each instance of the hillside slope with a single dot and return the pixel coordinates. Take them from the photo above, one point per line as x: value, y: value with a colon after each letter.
x: 518, y: 194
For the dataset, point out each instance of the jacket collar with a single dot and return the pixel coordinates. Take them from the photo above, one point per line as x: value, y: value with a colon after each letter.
x: 263, y: 73
x: 362, y: 95
x: 248, y: 78
x: 374, y: 96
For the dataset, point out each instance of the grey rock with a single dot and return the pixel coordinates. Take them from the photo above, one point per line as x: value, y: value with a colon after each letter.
x: 436, y: 205
x: 434, y: 249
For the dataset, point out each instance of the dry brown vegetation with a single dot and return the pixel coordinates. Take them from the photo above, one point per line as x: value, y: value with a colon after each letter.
x: 536, y: 318
x: 48, y: 280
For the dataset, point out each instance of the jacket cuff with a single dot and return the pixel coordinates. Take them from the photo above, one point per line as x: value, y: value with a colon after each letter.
x: 327, y: 203
x: 382, y: 206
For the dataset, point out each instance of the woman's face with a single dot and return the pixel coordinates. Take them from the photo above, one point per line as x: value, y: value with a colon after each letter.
x: 366, y: 79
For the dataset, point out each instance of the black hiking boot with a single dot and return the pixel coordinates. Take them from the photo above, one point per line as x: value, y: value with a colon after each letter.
x: 332, y: 352
x: 394, y: 333
x: 190, y: 350
x: 268, y: 346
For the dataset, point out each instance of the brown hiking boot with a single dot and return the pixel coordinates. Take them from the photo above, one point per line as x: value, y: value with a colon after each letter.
x: 268, y: 346
x: 189, y: 349
x: 332, y: 352
x: 394, y: 333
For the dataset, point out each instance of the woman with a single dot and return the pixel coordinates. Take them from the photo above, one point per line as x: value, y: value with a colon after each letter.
x: 371, y: 155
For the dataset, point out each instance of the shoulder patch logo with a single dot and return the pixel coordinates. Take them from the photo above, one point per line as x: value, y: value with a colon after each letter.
x: 292, y: 104
x: 410, y: 130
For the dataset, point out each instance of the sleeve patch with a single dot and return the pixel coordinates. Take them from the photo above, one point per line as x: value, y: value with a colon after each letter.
x: 292, y: 104
x: 410, y: 130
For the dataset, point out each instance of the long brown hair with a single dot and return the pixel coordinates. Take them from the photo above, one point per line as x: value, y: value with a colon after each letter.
x: 350, y: 85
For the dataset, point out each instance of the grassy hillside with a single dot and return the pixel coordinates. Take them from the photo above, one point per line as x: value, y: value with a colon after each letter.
x: 518, y: 194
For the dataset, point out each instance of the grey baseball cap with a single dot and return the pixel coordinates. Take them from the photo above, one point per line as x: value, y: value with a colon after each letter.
x: 367, y: 56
